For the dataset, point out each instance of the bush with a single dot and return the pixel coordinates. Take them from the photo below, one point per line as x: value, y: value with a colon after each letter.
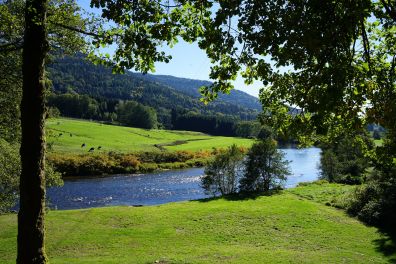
x: 10, y: 169
x: 148, y: 167
x: 223, y: 172
x: 265, y: 168
x: 375, y: 202
x: 99, y: 164
x: 343, y: 161
x: 129, y: 161
x: 172, y: 165
x: 53, y: 112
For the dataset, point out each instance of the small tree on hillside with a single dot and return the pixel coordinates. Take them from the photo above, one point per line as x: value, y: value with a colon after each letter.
x: 223, y: 172
x: 265, y: 167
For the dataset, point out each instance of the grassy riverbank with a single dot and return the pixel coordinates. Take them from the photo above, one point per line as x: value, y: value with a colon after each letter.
x: 80, y: 147
x: 294, y: 226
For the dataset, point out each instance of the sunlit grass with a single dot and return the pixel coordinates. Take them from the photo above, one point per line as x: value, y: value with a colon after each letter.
x: 283, y: 228
x: 68, y: 135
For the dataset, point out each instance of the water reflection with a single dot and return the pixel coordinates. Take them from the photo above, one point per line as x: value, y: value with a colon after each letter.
x: 161, y: 187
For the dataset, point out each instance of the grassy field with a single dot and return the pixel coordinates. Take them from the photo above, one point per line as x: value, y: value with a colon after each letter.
x: 67, y: 135
x: 291, y: 227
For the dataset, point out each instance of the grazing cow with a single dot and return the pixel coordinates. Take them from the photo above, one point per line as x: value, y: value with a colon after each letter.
x: 91, y: 149
x: 99, y: 147
x: 60, y: 134
x: 83, y: 145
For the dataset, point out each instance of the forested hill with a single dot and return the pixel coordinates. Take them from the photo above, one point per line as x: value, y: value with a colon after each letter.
x: 190, y: 86
x: 164, y: 93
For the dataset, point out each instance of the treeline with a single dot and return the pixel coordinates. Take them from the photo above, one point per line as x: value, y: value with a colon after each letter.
x: 219, y: 125
x: 128, y: 113
x: 135, y: 114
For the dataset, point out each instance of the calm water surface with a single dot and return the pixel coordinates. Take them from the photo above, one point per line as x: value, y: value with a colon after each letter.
x: 161, y: 187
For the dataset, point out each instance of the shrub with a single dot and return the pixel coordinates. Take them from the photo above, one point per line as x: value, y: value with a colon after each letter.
x: 343, y: 160
x: 10, y: 169
x: 148, y: 167
x: 223, y: 172
x: 129, y: 161
x: 98, y: 164
x: 172, y: 165
x: 265, y: 168
x: 375, y: 202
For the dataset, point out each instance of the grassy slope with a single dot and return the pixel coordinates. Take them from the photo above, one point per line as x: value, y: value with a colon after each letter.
x: 284, y: 228
x: 126, y: 139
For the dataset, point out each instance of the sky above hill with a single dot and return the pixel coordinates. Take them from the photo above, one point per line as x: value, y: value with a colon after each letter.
x: 188, y: 61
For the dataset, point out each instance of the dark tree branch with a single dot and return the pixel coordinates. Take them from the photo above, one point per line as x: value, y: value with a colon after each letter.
x: 169, y: 6
x: 78, y: 30
x: 390, y: 10
x: 366, y: 45
x: 392, y: 70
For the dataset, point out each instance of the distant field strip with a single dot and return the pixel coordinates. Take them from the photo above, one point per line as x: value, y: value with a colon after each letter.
x: 78, y: 136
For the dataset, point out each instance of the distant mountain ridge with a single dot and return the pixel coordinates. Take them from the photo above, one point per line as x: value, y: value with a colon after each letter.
x: 164, y: 93
x: 191, y: 87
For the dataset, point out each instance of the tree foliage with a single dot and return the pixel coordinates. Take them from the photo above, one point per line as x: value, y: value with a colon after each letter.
x: 9, y: 175
x: 265, y: 167
x: 334, y: 61
x: 223, y: 173
x: 375, y: 202
x: 134, y: 114
x: 10, y: 169
x: 345, y: 160
x: 247, y: 129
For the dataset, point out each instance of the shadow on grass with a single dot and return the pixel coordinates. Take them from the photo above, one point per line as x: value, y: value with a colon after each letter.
x: 387, y: 244
x: 240, y: 196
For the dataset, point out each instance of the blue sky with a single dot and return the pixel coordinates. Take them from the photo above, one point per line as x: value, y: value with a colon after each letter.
x: 188, y: 61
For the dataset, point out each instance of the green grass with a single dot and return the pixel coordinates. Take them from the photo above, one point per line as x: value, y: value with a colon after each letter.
x: 283, y: 228
x: 323, y: 192
x: 128, y: 140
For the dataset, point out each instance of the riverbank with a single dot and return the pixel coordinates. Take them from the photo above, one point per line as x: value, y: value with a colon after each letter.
x: 96, y: 164
x: 294, y: 226
x: 84, y: 148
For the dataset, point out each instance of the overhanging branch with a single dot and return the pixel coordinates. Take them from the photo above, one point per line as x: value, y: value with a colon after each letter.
x: 390, y: 10
x: 78, y: 30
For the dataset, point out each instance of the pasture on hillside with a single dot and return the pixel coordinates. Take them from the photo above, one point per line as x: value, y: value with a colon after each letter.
x: 68, y: 135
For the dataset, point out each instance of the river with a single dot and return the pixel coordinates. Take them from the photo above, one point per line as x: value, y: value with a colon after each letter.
x: 161, y: 187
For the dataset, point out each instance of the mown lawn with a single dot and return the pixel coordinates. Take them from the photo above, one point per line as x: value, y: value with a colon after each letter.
x: 283, y: 228
x: 67, y: 135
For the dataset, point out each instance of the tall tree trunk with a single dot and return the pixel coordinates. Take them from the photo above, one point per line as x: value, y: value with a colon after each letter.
x: 32, y: 181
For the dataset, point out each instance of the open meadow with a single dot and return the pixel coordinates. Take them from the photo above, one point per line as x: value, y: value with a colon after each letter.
x: 68, y: 135
x: 293, y: 226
